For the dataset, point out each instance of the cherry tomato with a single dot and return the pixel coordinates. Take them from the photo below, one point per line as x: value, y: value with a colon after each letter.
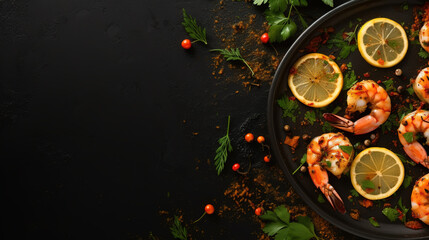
x: 260, y: 139
x: 209, y: 209
x: 235, y: 167
x: 249, y: 137
x: 265, y: 38
x: 186, y: 44
x: 258, y: 211
x: 267, y: 159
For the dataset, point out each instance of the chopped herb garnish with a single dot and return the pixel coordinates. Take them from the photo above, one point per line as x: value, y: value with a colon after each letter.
x: 321, y: 199
x: 405, y: 160
x: 389, y: 84
x: 403, y: 209
x: 289, y: 107
x: 177, y: 230
x: 347, y: 149
x: 310, y: 116
x: 222, y: 151
x: 349, y: 79
x: 354, y: 193
x: 303, y: 160
x: 409, y: 137
x: 410, y: 90
x: 233, y: 55
x: 391, y: 213
x: 374, y: 222
x: 349, y: 65
x: 334, y: 77
x: 336, y: 110
x: 407, y: 181
x: 326, y: 127
x: 345, y: 45
x: 367, y: 184
x: 423, y: 54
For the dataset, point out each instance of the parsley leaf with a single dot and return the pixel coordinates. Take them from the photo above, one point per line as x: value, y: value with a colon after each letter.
x: 347, y: 149
x: 391, y: 213
x: 354, y: 193
x: 410, y: 90
x: 334, y: 77
x: 367, y: 184
x: 409, y: 137
x: 344, y: 44
x: 320, y: 198
x: 407, y: 181
x: 289, y: 107
x: 278, y: 5
x: 177, y: 230
x: 374, y: 222
x: 310, y: 116
x: 350, y: 79
x: 389, y: 84
x: 326, y: 127
x: 222, y: 151
x: 259, y: 2
x: 196, y: 32
x: 423, y: 54
x: 329, y: 2
x: 403, y: 209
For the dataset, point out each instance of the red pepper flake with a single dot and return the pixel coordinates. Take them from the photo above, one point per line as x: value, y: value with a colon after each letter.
x: 311, y: 104
x: 292, y: 98
x: 332, y: 57
x: 379, y: 81
x: 380, y: 61
x: 413, y: 225
x: 366, y: 75
x: 366, y: 203
x: 293, y: 70
x: 343, y: 67
x: 393, y: 94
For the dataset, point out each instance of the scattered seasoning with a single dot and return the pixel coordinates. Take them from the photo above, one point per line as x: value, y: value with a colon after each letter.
x: 366, y: 203
x: 292, y: 142
x: 354, y: 213
x: 413, y: 225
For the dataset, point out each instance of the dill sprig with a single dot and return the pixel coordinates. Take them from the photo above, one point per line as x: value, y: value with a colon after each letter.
x: 222, y: 151
x: 177, y: 230
x: 233, y: 55
x: 196, y: 32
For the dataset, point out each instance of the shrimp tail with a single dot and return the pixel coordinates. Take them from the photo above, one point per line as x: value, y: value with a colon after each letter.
x: 417, y: 153
x: 333, y: 198
x: 339, y: 122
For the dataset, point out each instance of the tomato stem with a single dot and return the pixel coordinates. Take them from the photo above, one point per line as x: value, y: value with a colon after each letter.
x: 199, y: 218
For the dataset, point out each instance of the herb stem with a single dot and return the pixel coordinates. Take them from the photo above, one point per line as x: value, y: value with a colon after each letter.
x: 199, y: 218
x: 227, y: 128
x: 245, y: 62
x: 290, y: 10
x: 296, y: 170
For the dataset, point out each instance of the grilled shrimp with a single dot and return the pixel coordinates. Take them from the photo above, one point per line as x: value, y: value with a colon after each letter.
x: 362, y: 94
x: 421, y: 85
x: 424, y: 36
x: 324, y: 153
x: 413, y: 123
x: 420, y: 199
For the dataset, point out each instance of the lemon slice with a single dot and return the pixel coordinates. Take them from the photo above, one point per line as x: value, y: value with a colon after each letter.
x: 376, y: 173
x: 315, y: 80
x: 382, y: 42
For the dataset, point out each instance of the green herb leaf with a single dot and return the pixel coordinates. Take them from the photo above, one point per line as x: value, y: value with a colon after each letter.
x: 410, y: 90
x: 409, y: 137
x: 347, y: 149
x: 196, y: 32
x: 389, y: 84
x: 303, y: 160
x: 407, y: 181
x: 177, y: 230
x: 326, y: 127
x: 282, y: 213
x: 269, y: 216
x: 374, y: 222
x: 278, y: 5
x: 334, y: 77
x: 233, y: 55
x: 391, y: 213
x: 329, y: 2
x: 403, y: 209
x: 423, y: 54
x: 272, y: 228
x: 275, y: 18
x: 299, y: 231
x: 222, y: 151
x: 345, y: 45
x: 310, y: 116
x: 405, y: 160
x: 289, y: 107
x: 367, y: 184
x: 321, y: 199
x: 354, y: 193
x: 259, y: 2
x: 306, y: 221
x: 350, y: 79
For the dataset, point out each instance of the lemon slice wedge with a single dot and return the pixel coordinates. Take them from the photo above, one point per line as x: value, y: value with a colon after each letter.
x: 315, y: 80
x: 382, y: 42
x: 376, y: 173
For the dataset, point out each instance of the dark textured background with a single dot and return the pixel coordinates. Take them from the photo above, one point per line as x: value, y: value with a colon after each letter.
x: 98, y: 103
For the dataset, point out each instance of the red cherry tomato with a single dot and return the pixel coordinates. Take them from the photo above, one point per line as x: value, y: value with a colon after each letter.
x: 258, y: 211
x: 260, y: 139
x: 249, y: 137
x: 209, y: 209
x: 265, y: 38
x: 267, y: 159
x: 235, y: 167
x: 186, y: 44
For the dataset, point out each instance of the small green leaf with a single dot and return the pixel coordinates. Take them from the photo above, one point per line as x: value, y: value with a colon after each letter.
x: 407, y: 181
x: 354, y: 193
x: 423, y: 54
x: 374, y: 222
x: 303, y: 160
x: 409, y: 137
x: 321, y: 199
x: 347, y: 149
x: 367, y: 184
x: 410, y: 90
x: 269, y: 216
x: 329, y: 2
x: 282, y: 213
x: 391, y: 213
x: 272, y: 228
x: 298, y: 231
x: 310, y: 116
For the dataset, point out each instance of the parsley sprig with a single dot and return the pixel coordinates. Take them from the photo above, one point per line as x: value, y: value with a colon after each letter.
x: 177, y: 230
x: 282, y: 27
x: 233, y: 55
x: 196, y: 32
x: 222, y: 151
x: 290, y: 107
x: 346, y: 45
x: 278, y: 223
